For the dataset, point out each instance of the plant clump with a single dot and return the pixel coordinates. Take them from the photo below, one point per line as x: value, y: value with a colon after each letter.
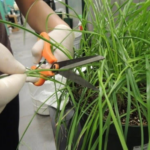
x: 121, y: 33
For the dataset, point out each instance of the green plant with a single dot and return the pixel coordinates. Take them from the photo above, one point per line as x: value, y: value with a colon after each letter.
x: 121, y: 34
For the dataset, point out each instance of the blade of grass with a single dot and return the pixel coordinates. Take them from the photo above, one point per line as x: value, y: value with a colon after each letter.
x: 148, y: 94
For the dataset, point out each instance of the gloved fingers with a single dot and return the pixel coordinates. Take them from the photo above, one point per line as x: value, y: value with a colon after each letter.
x: 8, y: 64
x: 32, y: 79
x: 10, y: 87
x: 35, y: 79
x: 37, y: 51
x: 62, y: 35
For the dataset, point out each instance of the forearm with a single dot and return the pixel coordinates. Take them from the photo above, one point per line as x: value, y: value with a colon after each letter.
x: 38, y: 13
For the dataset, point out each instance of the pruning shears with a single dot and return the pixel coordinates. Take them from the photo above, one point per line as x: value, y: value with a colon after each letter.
x: 65, y: 66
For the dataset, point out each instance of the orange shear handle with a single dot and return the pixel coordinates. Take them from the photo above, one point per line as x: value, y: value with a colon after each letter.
x: 47, y: 54
x: 42, y: 74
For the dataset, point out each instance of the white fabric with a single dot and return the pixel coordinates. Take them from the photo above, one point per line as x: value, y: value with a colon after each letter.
x: 11, y: 85
x: 46, y: 93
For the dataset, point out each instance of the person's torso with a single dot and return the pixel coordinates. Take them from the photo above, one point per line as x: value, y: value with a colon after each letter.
x: 4, y: 37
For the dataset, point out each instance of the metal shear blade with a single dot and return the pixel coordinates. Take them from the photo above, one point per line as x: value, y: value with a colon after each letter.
x: 77, y: 79
x: 70, y: 64
x: 73, y: 63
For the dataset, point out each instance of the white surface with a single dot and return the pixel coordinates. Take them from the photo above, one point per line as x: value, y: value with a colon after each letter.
x: 45, y: 95
x: 77, y: 40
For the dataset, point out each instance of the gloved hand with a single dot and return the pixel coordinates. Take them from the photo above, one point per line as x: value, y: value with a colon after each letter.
x: 62, y: 35
x: 11, y: 85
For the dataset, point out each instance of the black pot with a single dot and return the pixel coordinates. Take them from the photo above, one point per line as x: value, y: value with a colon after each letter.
x: 133, y: 138
x: 63, y: 134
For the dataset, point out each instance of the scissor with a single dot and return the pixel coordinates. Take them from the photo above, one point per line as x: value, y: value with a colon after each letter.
x: 65, y: 66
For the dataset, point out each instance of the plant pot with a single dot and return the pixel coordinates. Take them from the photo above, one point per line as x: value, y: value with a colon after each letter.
x: 133, y: 138
x: 61, y: 144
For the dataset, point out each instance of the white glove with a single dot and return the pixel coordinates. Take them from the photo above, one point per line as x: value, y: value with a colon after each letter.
x: 11, y: 85
x: 62, y: 35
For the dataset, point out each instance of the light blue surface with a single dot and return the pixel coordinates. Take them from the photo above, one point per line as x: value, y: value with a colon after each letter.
x: 8, y: 4
x: 3, y: 12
